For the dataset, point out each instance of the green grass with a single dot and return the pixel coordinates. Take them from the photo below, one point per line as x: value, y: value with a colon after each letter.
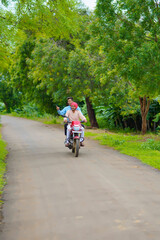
x: 46, y: 118
x: 3, y: 153
x: 145, y: 148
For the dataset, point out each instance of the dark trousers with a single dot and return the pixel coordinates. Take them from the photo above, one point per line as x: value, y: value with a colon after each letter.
x: 65, y: 128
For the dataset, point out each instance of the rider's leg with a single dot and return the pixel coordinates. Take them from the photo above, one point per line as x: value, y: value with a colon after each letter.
x: 65, y: 128
x: 82, y: 135
x: 65, y: 131
x: 68, y: 132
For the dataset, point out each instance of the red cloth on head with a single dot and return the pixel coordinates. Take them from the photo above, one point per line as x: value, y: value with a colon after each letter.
x: 75, y: 104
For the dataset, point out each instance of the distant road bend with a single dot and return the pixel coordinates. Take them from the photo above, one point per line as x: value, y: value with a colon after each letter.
x: 51, y: 195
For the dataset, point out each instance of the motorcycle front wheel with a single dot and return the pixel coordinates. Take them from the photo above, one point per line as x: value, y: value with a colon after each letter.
x: 76, y: 147
x: 73, y: 149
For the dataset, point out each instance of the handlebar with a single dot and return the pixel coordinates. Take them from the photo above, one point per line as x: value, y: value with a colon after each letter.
x: 70, y: 121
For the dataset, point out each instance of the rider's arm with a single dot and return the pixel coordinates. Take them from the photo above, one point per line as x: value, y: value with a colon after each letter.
x: 63, y: 111
x: 82, y: 117
x: 67, y: 115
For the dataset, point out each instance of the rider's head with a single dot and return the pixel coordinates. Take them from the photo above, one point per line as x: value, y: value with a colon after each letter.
x: 74, y: 106
x: 69, y: 100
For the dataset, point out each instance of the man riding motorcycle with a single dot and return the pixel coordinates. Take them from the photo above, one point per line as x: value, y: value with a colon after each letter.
x: 64, y: 110
x: 74, y: 115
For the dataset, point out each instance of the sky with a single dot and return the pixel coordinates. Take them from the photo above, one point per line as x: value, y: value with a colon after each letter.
x: 90, y: 3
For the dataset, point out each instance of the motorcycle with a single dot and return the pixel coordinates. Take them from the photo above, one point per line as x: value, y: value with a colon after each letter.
x: 74, y: 140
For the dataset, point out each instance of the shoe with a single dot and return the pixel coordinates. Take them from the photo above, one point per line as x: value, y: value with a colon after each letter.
x: 81, y: 144
x: 67, y: 145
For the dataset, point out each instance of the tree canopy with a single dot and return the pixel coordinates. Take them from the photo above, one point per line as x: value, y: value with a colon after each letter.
x: 130, y: 33
x: 108, y: 60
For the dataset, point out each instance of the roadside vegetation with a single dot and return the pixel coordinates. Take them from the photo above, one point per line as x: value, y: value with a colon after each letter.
x: 3, y: 153
x: 145, y: 148
x: 44, y: 118
x: 31, y: 111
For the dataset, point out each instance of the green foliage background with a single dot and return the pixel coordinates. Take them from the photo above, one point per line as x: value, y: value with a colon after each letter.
x: 50, y: 50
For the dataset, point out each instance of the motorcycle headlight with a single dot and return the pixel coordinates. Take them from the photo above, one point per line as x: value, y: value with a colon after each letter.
x: 76, y: 128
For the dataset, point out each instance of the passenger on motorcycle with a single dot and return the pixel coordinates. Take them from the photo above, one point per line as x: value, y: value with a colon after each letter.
x: 74, y: 115
x: 64, y: 110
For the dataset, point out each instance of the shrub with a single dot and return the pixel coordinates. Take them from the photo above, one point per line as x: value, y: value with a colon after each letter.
x: 2, y: 107
x: 151, y: 144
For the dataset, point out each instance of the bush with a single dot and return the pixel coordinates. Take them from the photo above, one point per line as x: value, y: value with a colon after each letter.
x: 151, y: 144
x: 18, y: 110
x: 158, y: 130
x: 105, y: 123
x: 29, y: 110
x: 2, y: 107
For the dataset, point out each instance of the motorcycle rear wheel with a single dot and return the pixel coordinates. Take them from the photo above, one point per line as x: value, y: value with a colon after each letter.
x: 76, y: 147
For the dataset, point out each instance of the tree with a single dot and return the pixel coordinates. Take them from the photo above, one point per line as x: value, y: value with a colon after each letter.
x: 81, y: 80
x: 9, y: 96
x: 131, y: 39
x: 47, y: 19
x: 57, y: 22
x: 47, y: 73
x: 19, y: 68
x: 5, y: 39
x: 83, y: 66
x: 39, y: 70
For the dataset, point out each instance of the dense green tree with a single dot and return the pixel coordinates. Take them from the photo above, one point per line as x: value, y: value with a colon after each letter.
x: 56, y: 19
x: 130, y: 33
x: 9, y: 96
x: 19, y: 68
x: 81, y: 80
x: 47, y: 72
x: 83, y: 67
x: 39, y: 71
x: 5, y: 38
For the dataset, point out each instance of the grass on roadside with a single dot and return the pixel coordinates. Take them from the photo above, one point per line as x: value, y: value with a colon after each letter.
x: 145, y: 148
x: 3, y: 153
x: 46, y: 118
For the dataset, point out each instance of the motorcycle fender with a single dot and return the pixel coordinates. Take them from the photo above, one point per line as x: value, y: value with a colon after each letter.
x: 76, y: 137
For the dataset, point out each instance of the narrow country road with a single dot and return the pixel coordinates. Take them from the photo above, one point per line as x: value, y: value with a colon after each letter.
x: 51, y: 195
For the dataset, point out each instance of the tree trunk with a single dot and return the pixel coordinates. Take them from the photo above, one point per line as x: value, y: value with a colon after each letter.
x: 144, y: 102
x: 91, y: 113
x: 125, y: 123
x: 135, y: 123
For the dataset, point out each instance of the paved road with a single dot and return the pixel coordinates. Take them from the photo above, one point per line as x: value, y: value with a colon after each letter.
x: 51, y: 195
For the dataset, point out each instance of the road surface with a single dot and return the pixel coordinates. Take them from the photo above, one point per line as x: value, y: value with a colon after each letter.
x: 51, y: 195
